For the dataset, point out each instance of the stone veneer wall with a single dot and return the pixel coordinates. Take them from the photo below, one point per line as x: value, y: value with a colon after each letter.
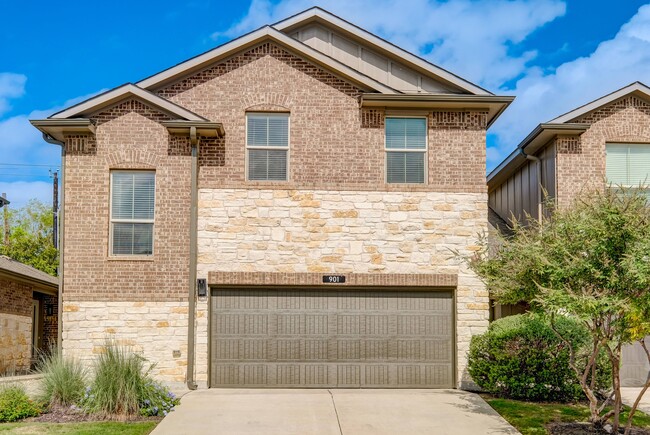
x: 15, y: 326
x: 157, y: 330
x: 344, y: 231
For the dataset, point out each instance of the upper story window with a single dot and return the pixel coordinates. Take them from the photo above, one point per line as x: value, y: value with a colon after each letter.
x: 628, y: 164
x: 406, y: 150
x: 132, y: 212
x: 267, y: 143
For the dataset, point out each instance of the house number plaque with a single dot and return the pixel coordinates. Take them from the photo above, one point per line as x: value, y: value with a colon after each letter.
x: 333, y: 279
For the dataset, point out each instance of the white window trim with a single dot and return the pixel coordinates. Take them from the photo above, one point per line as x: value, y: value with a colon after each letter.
x: 406, y: 150
x: 111, y: 221
x: 257, y: 147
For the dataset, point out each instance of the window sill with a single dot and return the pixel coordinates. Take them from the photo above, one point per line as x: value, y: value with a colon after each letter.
x: 149, y: 258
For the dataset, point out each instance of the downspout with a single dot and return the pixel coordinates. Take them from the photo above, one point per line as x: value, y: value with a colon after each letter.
x: 539, y: 180
x: 59, y: 317
x: 193, y: 258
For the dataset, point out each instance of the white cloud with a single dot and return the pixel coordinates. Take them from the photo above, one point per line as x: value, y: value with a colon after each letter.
x: 20, y: 145
x: 11, y: 86
x: 543, y: 96
x: 470, y: 38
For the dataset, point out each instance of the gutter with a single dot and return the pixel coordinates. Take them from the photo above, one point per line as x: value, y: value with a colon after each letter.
x: 191, y: 296
x: 59, y: 317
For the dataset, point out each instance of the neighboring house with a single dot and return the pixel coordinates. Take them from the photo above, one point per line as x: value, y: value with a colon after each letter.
x: 28, y: 315
x: 605, y: 141
x: 316, y: 176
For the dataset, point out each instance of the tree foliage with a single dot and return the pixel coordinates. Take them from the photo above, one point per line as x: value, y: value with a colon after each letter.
x: 30, y: 236
x: 589, y: 262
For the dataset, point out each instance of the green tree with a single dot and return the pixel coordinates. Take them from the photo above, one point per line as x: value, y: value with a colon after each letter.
x: 30, y: 236
x: 589, y: 262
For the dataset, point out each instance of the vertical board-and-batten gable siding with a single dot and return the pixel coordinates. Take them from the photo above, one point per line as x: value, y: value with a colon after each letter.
x: 333, y: 144
x: 369, y: 61
x: 518, y: 194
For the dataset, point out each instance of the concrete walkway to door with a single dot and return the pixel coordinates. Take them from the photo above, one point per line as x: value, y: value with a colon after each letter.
x: 333, y: 412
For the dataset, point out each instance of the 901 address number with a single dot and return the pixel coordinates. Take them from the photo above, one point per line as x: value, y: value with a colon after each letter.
x: 333, y: 279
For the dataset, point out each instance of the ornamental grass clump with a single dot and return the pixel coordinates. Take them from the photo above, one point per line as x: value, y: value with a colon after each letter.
x: 64, y: 379
x: 120, y: 378
x: 123, y: 388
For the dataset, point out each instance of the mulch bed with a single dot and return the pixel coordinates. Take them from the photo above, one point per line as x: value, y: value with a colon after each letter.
x: 62, y: 414
x: 586, y: 429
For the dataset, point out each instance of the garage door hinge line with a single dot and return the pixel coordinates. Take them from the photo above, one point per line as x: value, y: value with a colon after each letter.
x: 335, y: 411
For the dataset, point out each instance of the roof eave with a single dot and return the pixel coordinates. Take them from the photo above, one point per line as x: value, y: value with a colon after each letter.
x: 120, y: 93
x: 207, y: 129
x: 59, y: 128
x: 538, y: 138
x: 202, y: 61
x: 493, y: 104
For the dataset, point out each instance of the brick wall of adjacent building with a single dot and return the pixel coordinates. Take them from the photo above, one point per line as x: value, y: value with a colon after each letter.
x: 15, y: 326
x: 581, y: 161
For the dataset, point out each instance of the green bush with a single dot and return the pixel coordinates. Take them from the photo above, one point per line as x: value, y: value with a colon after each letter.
x: 120, y: 378
x: 520, y: 357
x: 15, y: 405
x: 64, y: 379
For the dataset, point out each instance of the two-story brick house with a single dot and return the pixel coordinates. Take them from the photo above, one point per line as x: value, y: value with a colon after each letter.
x: 606, y: 141
x: 316, y: 176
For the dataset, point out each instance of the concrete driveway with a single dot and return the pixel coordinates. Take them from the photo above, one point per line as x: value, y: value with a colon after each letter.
x: 631, y: 393
x: 333, y: 412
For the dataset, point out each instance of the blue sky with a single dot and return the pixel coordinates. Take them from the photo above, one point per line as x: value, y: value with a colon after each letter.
x: 553, y: 55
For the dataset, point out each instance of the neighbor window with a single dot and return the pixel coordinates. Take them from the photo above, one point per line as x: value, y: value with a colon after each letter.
x: 628, y: 165
x: 406, y: 148
x: 267, y: 143
x: 132, y: 212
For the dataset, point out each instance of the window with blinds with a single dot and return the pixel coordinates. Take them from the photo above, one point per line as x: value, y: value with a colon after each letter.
x: 628, y: 164
x: 267, y: 142
x: 132, y: 212
x: 406, y: 149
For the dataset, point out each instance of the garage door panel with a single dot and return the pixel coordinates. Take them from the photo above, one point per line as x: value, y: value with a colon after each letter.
x: 318, y: 338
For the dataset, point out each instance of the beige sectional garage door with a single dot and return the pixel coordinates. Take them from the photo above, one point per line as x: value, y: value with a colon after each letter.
x: 331, y: 338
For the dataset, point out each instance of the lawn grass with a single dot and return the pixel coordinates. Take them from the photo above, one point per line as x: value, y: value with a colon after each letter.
x: 91, y: 428
x: 531, y: 418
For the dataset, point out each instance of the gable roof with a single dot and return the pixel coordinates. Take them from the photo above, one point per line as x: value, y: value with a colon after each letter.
x: 120, y: 93
x: 636, y: 88
x: 253, y: 38
x: 22, y: 271
x: 563, y: 124
x: 318, y: 14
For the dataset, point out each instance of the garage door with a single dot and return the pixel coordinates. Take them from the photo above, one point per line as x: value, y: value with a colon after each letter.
x: 328, y: 338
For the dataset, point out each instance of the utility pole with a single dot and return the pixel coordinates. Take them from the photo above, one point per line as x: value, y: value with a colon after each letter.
x: 55, y: 208
x: 4, y: 203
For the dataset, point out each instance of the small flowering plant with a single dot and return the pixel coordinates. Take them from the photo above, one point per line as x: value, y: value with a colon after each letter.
x: 156, y: 399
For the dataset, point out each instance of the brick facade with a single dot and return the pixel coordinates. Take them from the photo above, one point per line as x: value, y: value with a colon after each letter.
x: 335, y: 214
x: 581, y: 160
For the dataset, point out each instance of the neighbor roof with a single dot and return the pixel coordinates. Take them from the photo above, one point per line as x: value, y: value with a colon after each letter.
x: 563, y: 124
x: 637, y: 88
x: 318, y: 14
x: 20, y: 270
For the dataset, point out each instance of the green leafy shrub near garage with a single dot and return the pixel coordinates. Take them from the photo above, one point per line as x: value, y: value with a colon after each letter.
x: 521, y: 357
x: 16, y: 405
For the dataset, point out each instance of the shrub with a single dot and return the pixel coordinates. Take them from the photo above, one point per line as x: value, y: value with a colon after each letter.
x: 520, y: 357
x: 120, y: 378
x: 64, y: 379
x: 15, y: 405
x: 156, y: 400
